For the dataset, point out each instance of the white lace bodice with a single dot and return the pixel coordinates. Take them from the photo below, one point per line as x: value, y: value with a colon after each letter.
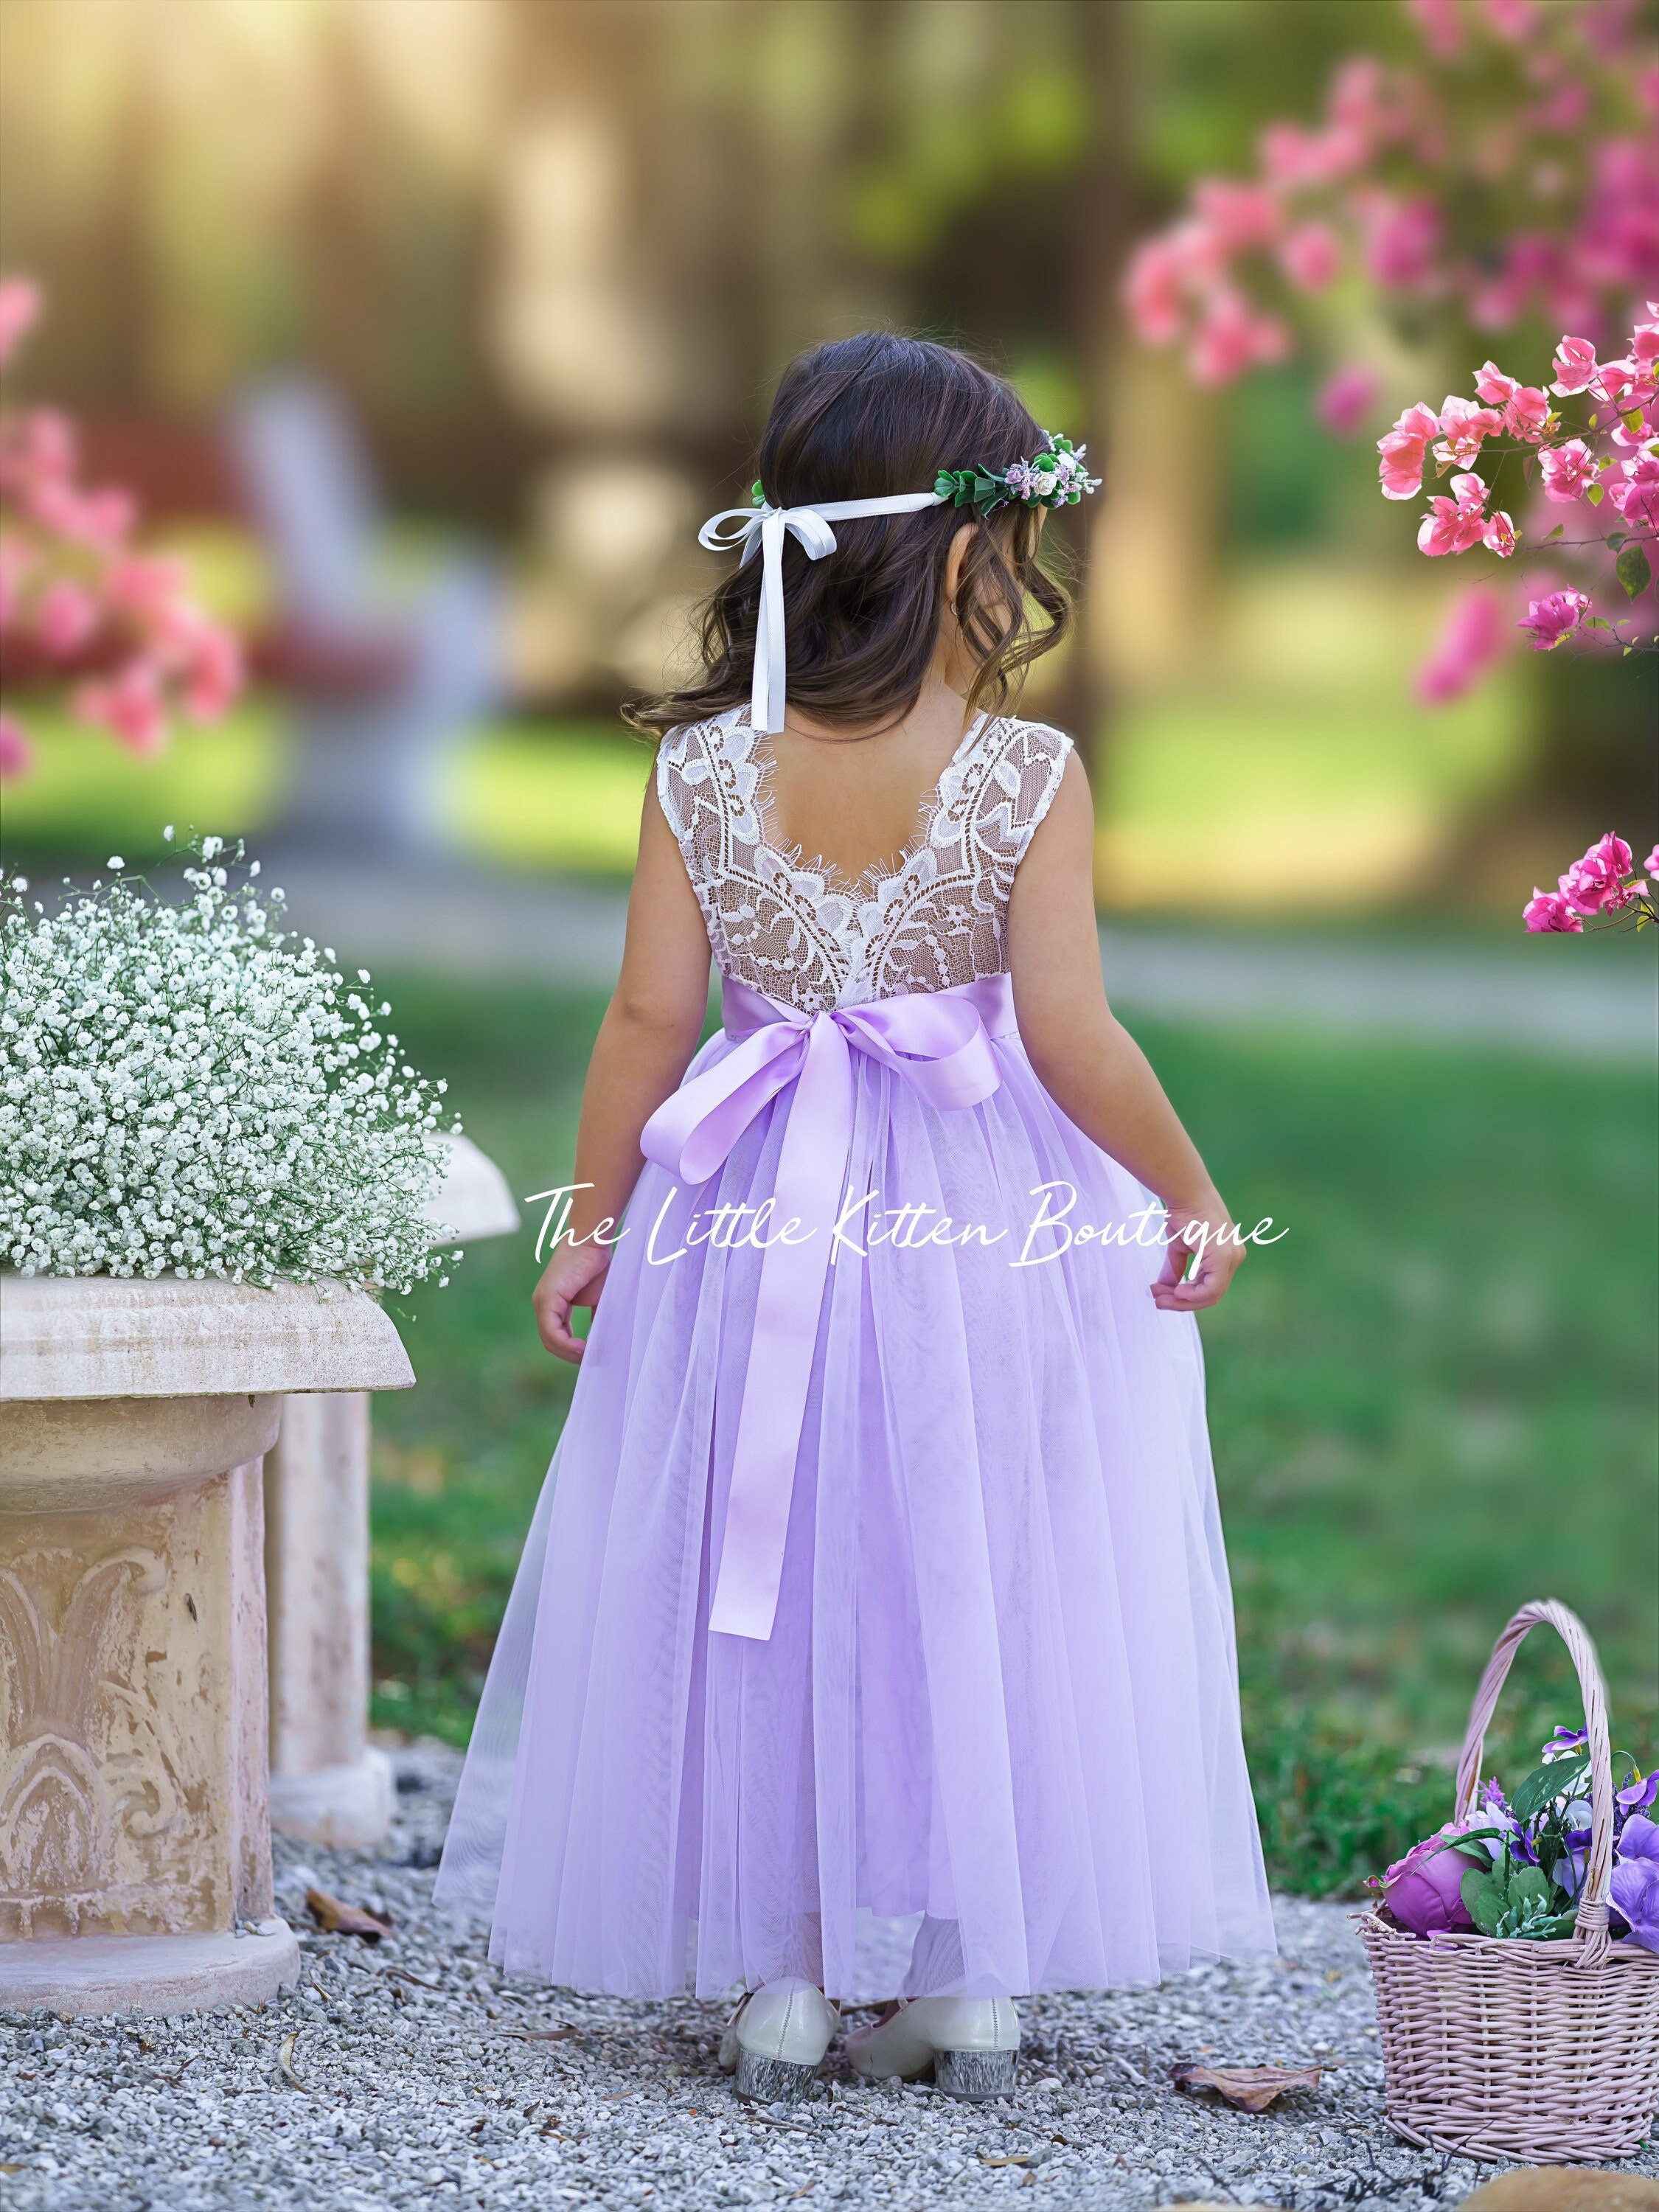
x: 804, y: 934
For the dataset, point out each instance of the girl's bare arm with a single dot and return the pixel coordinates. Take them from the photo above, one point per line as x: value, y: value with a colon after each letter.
x: 648, y: 1035
x: 1089, y: 1064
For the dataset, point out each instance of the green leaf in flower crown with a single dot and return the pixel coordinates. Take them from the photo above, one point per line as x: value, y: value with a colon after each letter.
x: 1632, y: 570
x: 1557, y: 1777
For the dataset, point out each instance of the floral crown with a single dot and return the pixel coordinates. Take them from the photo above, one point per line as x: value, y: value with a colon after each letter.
x: 1055, y: 477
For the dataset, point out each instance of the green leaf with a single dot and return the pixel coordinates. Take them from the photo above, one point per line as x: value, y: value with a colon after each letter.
x: 1529, y: 1885
x: 1560, y: 531
x: 1632, y: 571
x: 1596, y: 494
x: 1555, y: 1778
x: 1632, y: 422
x: 1594, y: 621
x: 1484, y: 1900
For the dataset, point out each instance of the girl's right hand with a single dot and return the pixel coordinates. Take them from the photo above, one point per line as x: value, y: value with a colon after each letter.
x: 1204, y: 1228
x: 572, y: 1277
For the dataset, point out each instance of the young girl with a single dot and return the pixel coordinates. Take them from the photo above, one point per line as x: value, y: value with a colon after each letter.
x: 874, y: 1637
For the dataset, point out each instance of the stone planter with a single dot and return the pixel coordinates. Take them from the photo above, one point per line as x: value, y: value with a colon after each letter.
x: 135, y: 1860
x: 328, y: 1783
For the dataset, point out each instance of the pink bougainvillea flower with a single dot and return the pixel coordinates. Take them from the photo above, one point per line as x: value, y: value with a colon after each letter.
x: 20, y: 309
x: 1310, y: 256
x: 1548, y: 620
x: 1634, y: 491
x: 1492, y: 385
x: 1528, y: 414
x: 1569, y: 471
x: 15, y: 752
x: 1474, y: 636
x: 1402, y: 449
x: 1240, y: 216
x: 1595, y: 883
x: 1650, y: 865
x: 1344, y: 400
x: 1644, y: 343
x: 1576, y: 366
x: 1548, y: 910
x: 1499, y: 536
x: 1466, y: 428
x: 1452, y: 525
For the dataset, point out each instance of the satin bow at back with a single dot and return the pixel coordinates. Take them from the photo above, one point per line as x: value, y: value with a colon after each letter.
x: 767, y: 528
x: 940, y: 1042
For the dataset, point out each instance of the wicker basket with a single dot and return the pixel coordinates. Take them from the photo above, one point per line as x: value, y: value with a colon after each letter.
x: 1515, y: 2050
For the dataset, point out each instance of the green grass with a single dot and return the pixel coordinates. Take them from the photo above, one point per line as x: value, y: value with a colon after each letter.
x: 1433, y: 1400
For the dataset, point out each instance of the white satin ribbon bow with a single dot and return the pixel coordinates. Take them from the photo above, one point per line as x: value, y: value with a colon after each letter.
x: 809, y: 526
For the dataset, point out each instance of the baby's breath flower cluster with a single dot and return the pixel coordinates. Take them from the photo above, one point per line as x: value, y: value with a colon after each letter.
x: 193, y: 1089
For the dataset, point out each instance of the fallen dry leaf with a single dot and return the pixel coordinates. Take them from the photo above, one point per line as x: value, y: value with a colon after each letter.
x: 1253, y: 2088
x: 1015, y: 2158
x: 545, y: 2035
x: 334, y: 1918
x: 285, y: 2063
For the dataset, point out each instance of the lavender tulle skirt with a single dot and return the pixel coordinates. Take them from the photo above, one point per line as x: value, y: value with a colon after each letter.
x: 992, y: 1746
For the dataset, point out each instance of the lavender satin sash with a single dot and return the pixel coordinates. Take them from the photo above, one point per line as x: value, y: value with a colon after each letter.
x: 940, y: 1042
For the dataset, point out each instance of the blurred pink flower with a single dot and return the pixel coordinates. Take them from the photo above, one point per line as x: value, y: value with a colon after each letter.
x: 129, y: 705
x: 1233, y: 336
x: 1549, y: 620
x: 1575, y: 366
x: 1568, y: 470
x: 1440, y: 25
x: 1474, y: 636
x: 20, y: 308
x: 15, y: 752
x: 1344, y: 400
x: 1548, y: 910
x: 1310, y: 256
x: 1650, y: 865
x: 1402, y: 449
x: 1595, y: 883
x: 1452, y: 525
x: 1153, y: 291
x: 64, y: 619
x: 1513, y: 19
x: 1465, y: 427
x: 1238, y: 215
x: 1401, y: 238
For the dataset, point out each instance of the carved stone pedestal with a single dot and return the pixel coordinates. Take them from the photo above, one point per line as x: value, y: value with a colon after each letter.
x: 135, y: 1858
x: 328, y: 1784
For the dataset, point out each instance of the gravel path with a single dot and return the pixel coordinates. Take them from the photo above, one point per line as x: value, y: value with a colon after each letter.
x: 413, y: 2074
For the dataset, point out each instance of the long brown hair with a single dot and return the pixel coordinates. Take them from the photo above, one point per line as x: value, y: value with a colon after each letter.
x: 863, y: 418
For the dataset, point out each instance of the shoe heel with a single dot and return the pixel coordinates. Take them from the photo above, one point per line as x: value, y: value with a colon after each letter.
x: 773, y: 2081
x: 975, y: 2075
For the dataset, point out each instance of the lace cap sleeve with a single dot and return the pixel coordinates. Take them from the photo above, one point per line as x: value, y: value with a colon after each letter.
x: 1024, y: 779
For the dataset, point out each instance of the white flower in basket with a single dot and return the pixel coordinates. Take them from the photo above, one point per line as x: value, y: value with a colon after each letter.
x: 193, y: 1089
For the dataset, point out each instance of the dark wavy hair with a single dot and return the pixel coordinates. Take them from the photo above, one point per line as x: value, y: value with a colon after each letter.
x: 858, y: 419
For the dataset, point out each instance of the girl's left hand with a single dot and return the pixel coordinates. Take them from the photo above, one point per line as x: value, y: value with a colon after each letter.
x: 572, y: 1277
x: 1198, y: 1229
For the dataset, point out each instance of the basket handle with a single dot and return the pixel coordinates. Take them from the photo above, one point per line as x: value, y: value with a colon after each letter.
x: 1592, y: 1916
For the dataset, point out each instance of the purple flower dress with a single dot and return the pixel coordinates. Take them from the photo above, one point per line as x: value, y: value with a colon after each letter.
x: 966, y: 1719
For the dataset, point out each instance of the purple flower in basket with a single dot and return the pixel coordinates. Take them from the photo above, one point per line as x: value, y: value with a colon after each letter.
x: 1424, y: 1890
x: 1636, y: 1880
x: 1565, y: 1742
x: 1569, y: 1868
x: 1636, y: 1798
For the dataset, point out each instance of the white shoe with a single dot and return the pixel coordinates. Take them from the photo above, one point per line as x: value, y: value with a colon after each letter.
x: 969, y: 2043
x: 775, y: 2040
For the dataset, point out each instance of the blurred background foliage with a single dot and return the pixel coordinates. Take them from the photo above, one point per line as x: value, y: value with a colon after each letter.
x: 551, y: 254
